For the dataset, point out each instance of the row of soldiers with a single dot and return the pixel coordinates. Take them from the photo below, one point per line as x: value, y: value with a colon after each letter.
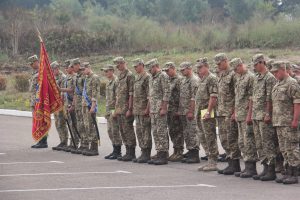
x: 257, y: 114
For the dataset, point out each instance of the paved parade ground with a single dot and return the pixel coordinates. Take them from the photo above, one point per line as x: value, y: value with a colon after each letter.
x: 40, y: 174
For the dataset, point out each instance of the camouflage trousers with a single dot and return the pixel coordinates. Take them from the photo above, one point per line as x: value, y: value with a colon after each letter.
x: 228, y: 133
x: 265, y: 140
x: 175, y: 131
x: 80, y: 125
x: 89, y: 125
x: 208, y: 137
x: 71, y: 116
x: 143, y: 131
x: 159, y: 127
x: 247, y: 142
x: 289, y: 145
x: 61, y: 126
x: 113, y: 130
x: 190, y: 132
x: 127, y: 130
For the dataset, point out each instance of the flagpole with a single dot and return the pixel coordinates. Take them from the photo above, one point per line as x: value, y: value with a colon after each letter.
x: 39, y: 34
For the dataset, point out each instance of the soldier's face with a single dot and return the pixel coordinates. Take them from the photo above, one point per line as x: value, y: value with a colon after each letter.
x: 202, y: 71
x: 223, y: 65
x: 279, y: 74
x: 109, y: 73
x: 153, y: 70
x: 55, y: 71
x: 121, y: 66
x: 35, y: 64
x: 76, y: 67
x: 139, y: 68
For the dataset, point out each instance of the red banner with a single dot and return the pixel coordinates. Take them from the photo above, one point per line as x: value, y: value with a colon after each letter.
x: 48, y: 99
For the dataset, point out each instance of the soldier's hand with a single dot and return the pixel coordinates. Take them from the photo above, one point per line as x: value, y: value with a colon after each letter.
x: 267, y: 119
x: 295, y: 124
x: 190, y: 116
x: 128, y: 113
x: 92, y: 110
x: 163, y: 112
x: 206, y: 116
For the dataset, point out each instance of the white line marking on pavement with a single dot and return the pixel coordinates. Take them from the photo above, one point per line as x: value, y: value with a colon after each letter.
x: 64, y: 173
x: 2, y: 153
x: 46, y: 162
x: 102, y: 188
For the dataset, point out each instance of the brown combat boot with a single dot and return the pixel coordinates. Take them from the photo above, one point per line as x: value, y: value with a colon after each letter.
x: 177, y: 155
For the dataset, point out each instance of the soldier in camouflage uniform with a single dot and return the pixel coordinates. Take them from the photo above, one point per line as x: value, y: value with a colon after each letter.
x: 226, y: 125
x: 242, y: 114
x: 59, y: 116
x: 90, y: 94
x: 290, y: 68
x: 140, y: 102
x: 33, y: 82
x: 77, y: 103
x: 158, y: 98
x: 68, y: 90
x: 186, y: 112
x: 206, y: 100
x: 286, y: 111
x: 265, y: 136
x: 123, y: 108
x: 112, y: 123
x: 174, y: 125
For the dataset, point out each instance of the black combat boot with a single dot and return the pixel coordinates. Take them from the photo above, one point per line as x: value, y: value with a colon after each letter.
x: 117, y: 153
x: 229, y: 161
x: 235, y: 167
x: 193, y: 157
x: 263, y: 173
x: 145, y: 156
x: 58, y: 147
x: 126, y: 154
x: 131, y: 155
x: 162, y: 158
x: 222, y: 157
x: 177, y: 156
x: 41, y: 144
x: 186, y: 154
x: 293, y: 179
x: 287, y: 174
x: 204, y: 158
x: 93, y: 151
x: 109, y: 155
x: 270, y: 175
x: 250, y: 170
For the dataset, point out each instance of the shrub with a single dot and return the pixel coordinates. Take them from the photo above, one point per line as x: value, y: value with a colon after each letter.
x: 22, y: 82
x: 3, y: 82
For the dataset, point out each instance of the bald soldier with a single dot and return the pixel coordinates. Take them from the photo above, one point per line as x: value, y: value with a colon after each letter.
x: 59, y: 116
x: 142, y: 119
x: 286, y: 112
x: 33, y: 61
x: 226, y: 125
x: 174, y: 125
x: 124, y: 107
x: 158, y: 98
x: 242, y: 115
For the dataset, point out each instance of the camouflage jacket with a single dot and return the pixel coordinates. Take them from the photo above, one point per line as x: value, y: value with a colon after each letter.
x: 79, y: 82
x: 159, y: 90
x: 262, y: 91
x: 60, y: 78
x: 69, y: 83
x: 226, y: 82
x: 188, y: 90
x: 297, y: 78
x: 175, y: 93
x: 207, y: 87
x: 110, y: 94
x: 92, y: 83
x: 284, y: 95
x: 33, y: 85
x: 124, y: 90
x: 141, y: 89
x: 243, y: 94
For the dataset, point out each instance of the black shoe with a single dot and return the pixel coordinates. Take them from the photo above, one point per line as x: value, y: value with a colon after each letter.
x: 287, y: 174
x: 58, y: 146
x: 162, y: 158
x: 221, y: 171
x: 145, y: 156
x: 293, y: 179
x: 250, y: 170
x: 116, y: 154
x: 40, y: 145
x: 235, y: 167
x: 193, y: 157
x: 93, y: 151
x: 270, y: 175
x: 109, y: 155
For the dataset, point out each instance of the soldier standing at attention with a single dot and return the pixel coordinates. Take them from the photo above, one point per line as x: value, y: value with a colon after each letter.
x: 123, y: 108
x: 265, y: 136
x: 227, y: 133
x: 59, y: 116
x: 206, y: 101
x: 174, y: 125
x: 77, y: 104
x: 140, y: 102
x: 33, y: 88
x: 90, y: 94
x: 112, y: 123
x: 186, y: 112
x: 242, y: 115
x: 286, y: 111
x: 158, y: 98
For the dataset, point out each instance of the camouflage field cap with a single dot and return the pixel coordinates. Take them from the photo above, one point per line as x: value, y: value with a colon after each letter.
x: 151, y: 63
x: 201, y: 62
x: 108, y: 67
x: 74, y: 62
x: 86, y: 65
x: 278, y: 65
x: 295, y: 67
x: 220, y: 57
x: 185, y: 65
x: 168, y: 65
x: 67, y: 63
x: 258, y: 58
x: 269, y: 63
x: 137, y: 61
x: 32, y: 59
x: 235, y: 62
x: 118, y: 60
x: 54, y: 65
